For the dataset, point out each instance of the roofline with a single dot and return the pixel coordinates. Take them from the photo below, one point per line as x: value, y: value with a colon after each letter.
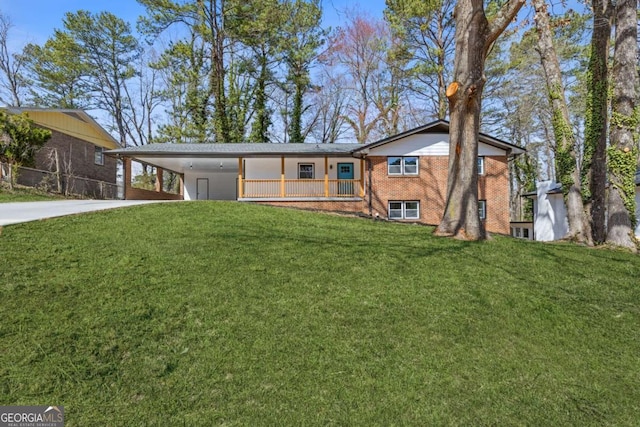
x: 487, y: 139
x: 78, y: 111
x: 122, y: 152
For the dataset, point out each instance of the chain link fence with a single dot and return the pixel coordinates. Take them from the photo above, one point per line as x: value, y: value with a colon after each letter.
x: 62, y: 183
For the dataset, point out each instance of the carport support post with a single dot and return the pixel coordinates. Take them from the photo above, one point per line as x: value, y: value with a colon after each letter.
x: 361, y: 177
x: 326, y: 176
x: 182, y: 185
x: 282, y: 176
x: 159, y: 179
x: 240, y: 195
x: 126, y: 168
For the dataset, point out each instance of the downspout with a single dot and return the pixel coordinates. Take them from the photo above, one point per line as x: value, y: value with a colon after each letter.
x: 369, y: 168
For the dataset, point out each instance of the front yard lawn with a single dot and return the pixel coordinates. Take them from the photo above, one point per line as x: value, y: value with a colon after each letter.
x: 214, y: 313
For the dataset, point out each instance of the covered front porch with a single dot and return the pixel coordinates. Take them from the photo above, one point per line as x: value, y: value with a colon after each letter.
x: 300, y: 177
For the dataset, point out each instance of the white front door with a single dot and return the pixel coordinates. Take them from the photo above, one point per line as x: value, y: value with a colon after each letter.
x: 202, y: 188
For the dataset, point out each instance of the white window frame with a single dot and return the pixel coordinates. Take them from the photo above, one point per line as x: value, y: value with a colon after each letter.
x: 403, y: 209
x: 389, y: 165
x: 482, y: 209
x: 403, y: 166
x: 313, y: 170
x: 480, y: 165
x: 98, y: 156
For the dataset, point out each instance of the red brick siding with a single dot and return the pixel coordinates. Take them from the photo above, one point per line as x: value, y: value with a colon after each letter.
x: 493, y: 187
x: 140, y: 194
x: 81, y: 156
x: 430, y: 187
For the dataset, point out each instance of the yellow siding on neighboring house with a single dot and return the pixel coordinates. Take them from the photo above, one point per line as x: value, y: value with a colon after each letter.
x: 74, y: 124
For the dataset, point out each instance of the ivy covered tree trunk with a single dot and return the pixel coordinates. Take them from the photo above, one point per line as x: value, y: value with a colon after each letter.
x: 474, y: 37
x: 623, y: 152
x: 300, y: 86
x: 567, y: 172
x: 262, y: 121
x: 302, y: 36
x: 213, y: 14
x: 594, y: 167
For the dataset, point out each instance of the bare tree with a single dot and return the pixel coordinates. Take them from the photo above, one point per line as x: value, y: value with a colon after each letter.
x: 12, y: 81
x: 328, y: 107
x: 427, y: 32
x: 142, y: 100
x: 359, y: 49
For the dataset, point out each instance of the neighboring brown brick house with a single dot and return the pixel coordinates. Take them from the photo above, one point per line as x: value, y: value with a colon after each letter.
x: 79, y: 143
x: 402, y: 178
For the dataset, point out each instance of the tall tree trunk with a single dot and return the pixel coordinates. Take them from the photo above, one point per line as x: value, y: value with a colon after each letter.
x: 213, y: 12
x: 474, y: 37
x: 594, y: 166
x: 442, y: 98
x: 623, y: 152
x: 260, y: 126
x: 567, y: 172
x: 296, y: 113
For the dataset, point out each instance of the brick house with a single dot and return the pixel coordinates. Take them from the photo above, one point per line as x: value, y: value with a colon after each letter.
x: 401, y: 178
x: 79, y: 143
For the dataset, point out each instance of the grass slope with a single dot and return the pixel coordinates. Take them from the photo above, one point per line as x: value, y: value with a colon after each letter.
x: 25, y: 194
x: 216, y: 313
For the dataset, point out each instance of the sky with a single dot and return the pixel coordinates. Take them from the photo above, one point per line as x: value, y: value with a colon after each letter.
x: 35, y: 20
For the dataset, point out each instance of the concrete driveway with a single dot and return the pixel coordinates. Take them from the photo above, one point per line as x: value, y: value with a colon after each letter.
x: 14, y: 213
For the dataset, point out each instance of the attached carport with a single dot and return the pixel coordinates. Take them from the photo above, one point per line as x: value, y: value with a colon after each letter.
x: 222, y: 171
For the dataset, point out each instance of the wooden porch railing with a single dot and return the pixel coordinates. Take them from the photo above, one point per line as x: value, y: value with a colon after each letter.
x: 276, y: 188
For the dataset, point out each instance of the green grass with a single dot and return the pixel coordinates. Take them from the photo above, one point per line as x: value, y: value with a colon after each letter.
x: 214, y: 313
x: 25, y: 194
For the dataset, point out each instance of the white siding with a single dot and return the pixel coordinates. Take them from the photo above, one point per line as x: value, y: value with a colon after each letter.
x: 433, y: 144
x: 222, y: 185
x: 550, y: 214
x: 269, y: 168
x: 490, y: 150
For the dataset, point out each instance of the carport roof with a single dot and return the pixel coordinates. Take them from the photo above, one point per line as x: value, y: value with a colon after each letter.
x: 236, y: 150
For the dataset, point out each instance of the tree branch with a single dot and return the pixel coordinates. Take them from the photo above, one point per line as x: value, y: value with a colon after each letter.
x: 505, y: 15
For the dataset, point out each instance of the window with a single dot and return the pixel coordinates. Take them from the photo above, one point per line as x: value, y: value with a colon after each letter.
x: 402, y: 165
x: 410, y: 165
x: 395, y: 210
x: 98, y: 156
x: 482, y: 209
x: 520, y: 232
x: 394, y: 165
x: 305, y: 171
x: 404, y: 210
x: 480, y: 165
